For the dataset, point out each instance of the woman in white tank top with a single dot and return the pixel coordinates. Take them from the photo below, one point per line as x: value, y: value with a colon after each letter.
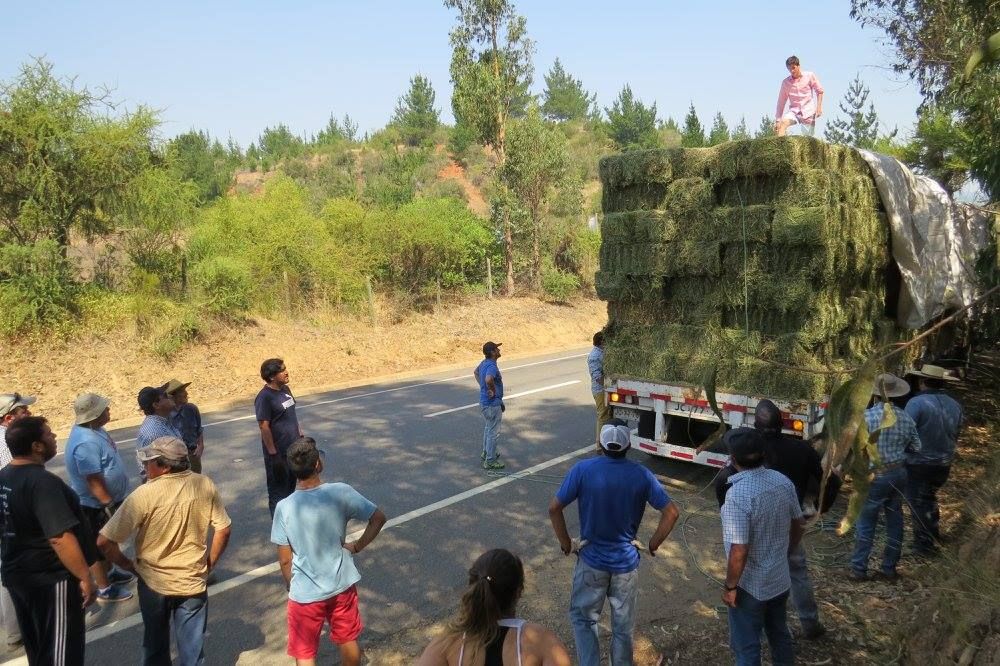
x: 486, y: 631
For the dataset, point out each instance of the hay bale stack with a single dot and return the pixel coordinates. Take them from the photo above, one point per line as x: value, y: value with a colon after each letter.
x: 762, y: 249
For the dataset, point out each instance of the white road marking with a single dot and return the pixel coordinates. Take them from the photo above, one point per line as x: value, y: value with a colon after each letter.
x: 506, y: 397
x: 379, y: 392
x: 113, y: 628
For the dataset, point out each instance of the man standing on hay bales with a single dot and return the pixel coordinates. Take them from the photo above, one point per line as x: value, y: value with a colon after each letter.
x: 797, y: 93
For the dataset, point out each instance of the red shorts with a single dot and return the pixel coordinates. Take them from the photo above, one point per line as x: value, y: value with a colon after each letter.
x: 305, y: 622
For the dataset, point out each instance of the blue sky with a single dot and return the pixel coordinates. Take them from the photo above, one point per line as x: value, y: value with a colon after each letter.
x: 233, y: 68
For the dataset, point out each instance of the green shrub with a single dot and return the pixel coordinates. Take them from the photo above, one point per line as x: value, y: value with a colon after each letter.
x: 226, y: 285
x: 175, y: 332
x: 36, y: 288
x: 559, y: 285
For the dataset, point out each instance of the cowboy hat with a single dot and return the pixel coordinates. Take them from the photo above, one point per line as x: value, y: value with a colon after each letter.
x: 890, y: 386
x: 932, y: 372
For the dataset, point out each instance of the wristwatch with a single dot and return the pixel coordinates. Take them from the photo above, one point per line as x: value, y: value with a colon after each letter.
x: 730, y: 589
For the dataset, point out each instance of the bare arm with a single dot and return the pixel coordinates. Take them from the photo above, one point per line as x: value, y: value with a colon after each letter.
x: 112, y: 553
x: 199, y: 446
x: 491, y: 387
x: 559, y: 525
x: 267, y: 437
x: 285, y: 562
x: 67, y: 549
x: 668, y: 518
x: 219, y: 543
x: 372, y: 529
x: 734, y: 571
x: 819, y: 105
x: 98, y: 488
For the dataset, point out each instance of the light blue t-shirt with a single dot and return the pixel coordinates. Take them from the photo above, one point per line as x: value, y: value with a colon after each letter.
x: 613, y: 494
x: 489, y: 368
x: 89, y: 452
x: 314, y: 523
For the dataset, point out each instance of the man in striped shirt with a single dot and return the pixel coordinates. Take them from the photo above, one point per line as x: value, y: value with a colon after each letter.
x: 897, y: 435
x: 761, y: 524
x: 157, y: 405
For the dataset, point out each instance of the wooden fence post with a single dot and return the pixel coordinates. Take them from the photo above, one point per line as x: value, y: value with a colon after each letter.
x: 489, y: 279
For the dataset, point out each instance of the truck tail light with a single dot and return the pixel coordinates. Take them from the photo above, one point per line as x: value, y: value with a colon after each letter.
x: 615, y: 397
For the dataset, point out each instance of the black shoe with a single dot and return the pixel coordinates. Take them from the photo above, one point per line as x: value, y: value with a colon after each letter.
x: 858, y: 576
x: 813, y: 632
x: 888, y: 576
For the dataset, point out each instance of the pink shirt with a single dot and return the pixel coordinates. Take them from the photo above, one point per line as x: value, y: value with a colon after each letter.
x: 798, y: 93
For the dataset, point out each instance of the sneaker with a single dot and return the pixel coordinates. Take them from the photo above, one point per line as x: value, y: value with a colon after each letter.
x: 117, y: 577
x: 482, y: 456
x: 813, y: 632
x: 496, y: 464
x: 857, y: 576
x: 113, y: 593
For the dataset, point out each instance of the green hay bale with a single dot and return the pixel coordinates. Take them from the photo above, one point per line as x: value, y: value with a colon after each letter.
x: 689, y: 199
x: 793, y: 225
x: 808, y: 187
x: 638, y: 227
x: 644, y: 196
x: 682, y: 257
x: 635, y: 167
x: 731, y: 224
x: 860, y: 192
x: 615, y: 287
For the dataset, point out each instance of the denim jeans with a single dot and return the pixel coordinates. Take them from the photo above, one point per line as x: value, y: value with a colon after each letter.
x: 590, y: 588
x: 277, y: 489
x: 922, y: 485
x: 491, y: 433
x: 749, y: 618
x: 185, y: 618
x: 802, y: 590
x: 885, y: 492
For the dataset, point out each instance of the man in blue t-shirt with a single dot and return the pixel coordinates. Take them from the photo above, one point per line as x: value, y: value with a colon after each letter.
x: 487, y: 375
x: 279, y: 427
x: 310, y: 530
x: 612, y: 493
x: 97, y: 475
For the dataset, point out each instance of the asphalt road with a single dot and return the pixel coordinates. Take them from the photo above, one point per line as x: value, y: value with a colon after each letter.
x: 413, y: 448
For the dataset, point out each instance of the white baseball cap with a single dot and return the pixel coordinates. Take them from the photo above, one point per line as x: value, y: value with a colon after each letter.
x: 615, y: 438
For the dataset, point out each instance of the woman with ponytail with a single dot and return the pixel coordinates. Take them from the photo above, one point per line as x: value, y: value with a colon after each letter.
x: 487, y: 631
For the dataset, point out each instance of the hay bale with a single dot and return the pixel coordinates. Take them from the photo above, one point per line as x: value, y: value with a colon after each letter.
x: 743, y: 253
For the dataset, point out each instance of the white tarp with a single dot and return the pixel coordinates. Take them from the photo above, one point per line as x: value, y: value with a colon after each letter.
x: 934, y: 241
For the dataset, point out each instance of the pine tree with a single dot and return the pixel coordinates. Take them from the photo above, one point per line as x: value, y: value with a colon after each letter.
x: 741, y: 133
x: 693, y: 134
x: 415, y: 114
x: 720, y: 131
x: 859, y: 128
x: 766, y: 127
x: 631, y: 123
x: 564, y: 97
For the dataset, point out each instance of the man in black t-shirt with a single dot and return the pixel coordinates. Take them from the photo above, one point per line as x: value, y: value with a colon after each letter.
x: 279, y: 428
x: 46, y: 552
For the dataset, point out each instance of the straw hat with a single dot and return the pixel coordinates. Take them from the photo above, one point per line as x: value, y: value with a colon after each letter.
x: 932, y: 372
x: 89, y: 406
x: 890, y: 386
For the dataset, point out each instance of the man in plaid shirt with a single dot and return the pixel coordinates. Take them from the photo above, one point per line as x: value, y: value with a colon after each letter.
x: 761, y: 524
x: 897, y: 435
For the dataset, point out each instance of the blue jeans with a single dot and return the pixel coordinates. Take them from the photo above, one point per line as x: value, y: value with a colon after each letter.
x: 922, y: 485
x: 749, y: 618
x: 186, y: 618
x: 885, y: 493
x: 491, y: 432
x: 802, y: 590
x: 590, y: 588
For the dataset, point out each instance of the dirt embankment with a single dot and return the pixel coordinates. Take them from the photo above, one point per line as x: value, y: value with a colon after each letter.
x: 324, y: 350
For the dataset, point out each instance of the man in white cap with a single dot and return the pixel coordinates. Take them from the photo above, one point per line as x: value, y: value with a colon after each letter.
x: 170, y: 517
x: 939, y: 418
x: 97, y: 475
x: 13, y: 406
x: 612, y: 492
x: 897, y: 437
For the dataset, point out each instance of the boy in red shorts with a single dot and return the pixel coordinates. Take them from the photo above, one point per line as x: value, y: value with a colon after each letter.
x: 309, y: 529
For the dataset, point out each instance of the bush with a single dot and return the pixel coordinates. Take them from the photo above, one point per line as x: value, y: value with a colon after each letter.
x: 559, y: 285
x: 225, y: 284
x: 36, y: 288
